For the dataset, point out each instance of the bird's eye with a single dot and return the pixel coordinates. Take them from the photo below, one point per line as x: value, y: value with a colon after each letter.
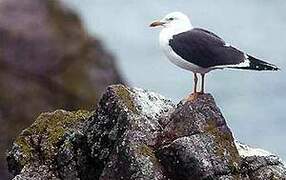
x: 171, y: 19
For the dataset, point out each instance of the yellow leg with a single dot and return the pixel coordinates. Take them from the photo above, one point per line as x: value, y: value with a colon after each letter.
x: 195, y: 83
x: 195, y: 94
x: 203, y: 84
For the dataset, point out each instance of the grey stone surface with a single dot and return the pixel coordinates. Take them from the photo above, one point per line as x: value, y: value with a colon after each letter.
x: 124, y: 131
x: 203, y: 145
x: 52, y: 147
x: 260, y: 164
x: 138, y: 134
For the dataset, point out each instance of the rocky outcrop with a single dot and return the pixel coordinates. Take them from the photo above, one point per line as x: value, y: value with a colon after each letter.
x: 137, y: 134
x: 201, y: 144
x: 41, y: 145
x: 260, y: 164
x: 48, y: 61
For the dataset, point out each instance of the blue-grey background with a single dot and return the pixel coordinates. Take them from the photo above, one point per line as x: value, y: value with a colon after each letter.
x: 252, y: 102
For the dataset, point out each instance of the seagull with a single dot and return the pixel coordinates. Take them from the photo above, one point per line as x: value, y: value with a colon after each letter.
x: 201, y: 51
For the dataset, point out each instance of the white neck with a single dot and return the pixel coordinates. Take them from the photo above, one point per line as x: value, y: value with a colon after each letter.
x: 173, y: 29
x: 169, y: 31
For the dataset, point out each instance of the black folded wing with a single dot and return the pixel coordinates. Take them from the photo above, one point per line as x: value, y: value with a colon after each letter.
x: 205, y: 49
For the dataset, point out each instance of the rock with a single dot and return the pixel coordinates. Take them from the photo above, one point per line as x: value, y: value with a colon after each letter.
x: 201, y: 144
x: 138, y: 134
x: 124, y: 131
x: 51, y: 142
x: 48, y: 61
x: 260, y: 164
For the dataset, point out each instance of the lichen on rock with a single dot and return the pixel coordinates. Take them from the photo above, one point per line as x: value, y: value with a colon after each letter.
x: 125, y: 111
x: 201, y: 144
x: 138, y: 134
x: 40, y: 143
x: 260, y: 164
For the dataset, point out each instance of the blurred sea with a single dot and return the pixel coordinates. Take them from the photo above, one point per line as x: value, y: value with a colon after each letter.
x: 252, y: 102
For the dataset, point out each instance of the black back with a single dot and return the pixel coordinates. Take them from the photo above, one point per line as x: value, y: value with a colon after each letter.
x: 205, y: 49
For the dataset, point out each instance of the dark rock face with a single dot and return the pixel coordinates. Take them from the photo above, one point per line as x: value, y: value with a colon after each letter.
x: 124, y: 131
x: 48, y: 61
x: 260, y: 164
x: 137, y: 134
x: 49, y: 146
x: 201, y: 143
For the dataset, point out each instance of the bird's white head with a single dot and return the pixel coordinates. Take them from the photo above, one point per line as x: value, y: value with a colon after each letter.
x: 175, y: 20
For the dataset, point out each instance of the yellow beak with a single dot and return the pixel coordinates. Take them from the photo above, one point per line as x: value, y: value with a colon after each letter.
x: 157, y: 23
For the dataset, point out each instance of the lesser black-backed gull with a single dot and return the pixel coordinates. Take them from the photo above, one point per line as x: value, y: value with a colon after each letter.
x: 201, y: 51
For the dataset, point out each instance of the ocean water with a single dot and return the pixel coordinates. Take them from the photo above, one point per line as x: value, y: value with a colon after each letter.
x: 252, y: 102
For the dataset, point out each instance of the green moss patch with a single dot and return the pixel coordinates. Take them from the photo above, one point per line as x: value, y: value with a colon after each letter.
x: 224, y: 141
x: 125, y: 95
x: 46, y: 132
